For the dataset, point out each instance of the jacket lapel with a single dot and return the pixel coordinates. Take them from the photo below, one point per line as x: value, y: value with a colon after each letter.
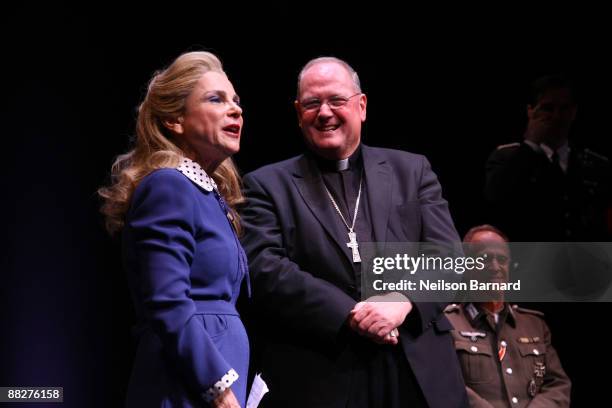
x: 308, y: 180
x: 379, y: 180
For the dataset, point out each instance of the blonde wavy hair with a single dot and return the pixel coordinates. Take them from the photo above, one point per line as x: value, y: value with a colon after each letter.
x: 154, y: 146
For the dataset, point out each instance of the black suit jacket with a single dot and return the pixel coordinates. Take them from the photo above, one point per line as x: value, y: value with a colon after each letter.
x: 304, y: 285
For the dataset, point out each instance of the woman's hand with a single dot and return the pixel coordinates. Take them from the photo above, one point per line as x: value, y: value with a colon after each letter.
x: 226, y: 400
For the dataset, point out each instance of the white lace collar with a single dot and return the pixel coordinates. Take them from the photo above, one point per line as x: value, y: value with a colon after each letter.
x: 194, y: 172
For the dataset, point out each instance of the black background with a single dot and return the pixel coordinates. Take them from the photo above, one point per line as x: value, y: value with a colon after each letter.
x: 449, y: 88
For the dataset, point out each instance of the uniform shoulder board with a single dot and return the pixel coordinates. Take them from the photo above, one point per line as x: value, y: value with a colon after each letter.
x: 505, y: 146
x: 529, y: 311
x: 452, y: 308
x: 594, y: 155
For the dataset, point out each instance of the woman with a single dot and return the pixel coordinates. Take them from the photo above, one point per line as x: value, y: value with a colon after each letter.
x: 174, y: 197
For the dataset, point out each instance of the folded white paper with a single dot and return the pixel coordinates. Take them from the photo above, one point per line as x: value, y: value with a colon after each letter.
x: 258, y: 390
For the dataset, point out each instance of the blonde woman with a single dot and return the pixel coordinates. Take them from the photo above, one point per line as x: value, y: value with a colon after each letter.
x: 173, y: 198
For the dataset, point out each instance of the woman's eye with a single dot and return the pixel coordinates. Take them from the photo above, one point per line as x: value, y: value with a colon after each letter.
x: 214, y: 99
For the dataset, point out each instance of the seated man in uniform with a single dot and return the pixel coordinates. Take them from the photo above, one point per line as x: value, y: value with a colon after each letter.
x: 505, y: 351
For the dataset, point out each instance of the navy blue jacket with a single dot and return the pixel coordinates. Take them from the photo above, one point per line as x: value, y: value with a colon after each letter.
x: 182, y: 258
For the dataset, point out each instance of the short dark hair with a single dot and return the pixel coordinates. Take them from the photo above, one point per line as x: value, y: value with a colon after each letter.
x: 469, y: 236
x: 546, y: 83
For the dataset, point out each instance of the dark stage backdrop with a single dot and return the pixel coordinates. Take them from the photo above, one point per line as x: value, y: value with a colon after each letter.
x: 75, y: 78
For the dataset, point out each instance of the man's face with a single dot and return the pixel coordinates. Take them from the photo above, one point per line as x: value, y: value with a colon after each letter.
x: 496, y: 253
x: 554, y: 113
x: 332, y: 131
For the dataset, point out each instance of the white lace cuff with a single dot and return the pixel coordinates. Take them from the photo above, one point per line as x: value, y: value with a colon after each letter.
x: 224, y: 383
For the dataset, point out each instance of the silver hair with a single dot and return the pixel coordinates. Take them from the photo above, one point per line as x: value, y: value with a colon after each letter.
x: 338, y: 61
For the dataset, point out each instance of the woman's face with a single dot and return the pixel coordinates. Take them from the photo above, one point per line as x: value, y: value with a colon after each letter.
x: 212, y: 122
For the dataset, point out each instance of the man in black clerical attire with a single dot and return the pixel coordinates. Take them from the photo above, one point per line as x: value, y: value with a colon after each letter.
x: 304, y: 219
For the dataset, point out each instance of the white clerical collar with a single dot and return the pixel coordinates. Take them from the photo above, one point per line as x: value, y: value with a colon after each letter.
x: 342, y: 165
x: 194, y: 172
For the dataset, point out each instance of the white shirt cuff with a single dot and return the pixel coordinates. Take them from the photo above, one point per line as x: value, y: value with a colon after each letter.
x: 224, y: 383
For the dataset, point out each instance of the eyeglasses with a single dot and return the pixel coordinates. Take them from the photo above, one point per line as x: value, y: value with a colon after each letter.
x: 501, y: 259
x: 334, y: 102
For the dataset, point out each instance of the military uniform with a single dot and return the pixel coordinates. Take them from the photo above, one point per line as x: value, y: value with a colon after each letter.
x: 510, y: 363
x: 531, y: 199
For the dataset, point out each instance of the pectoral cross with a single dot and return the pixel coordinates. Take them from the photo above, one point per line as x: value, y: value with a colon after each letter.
x: 354, y: 246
